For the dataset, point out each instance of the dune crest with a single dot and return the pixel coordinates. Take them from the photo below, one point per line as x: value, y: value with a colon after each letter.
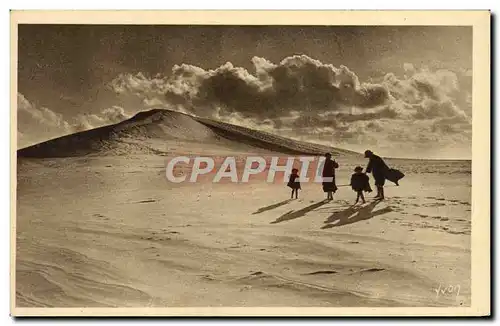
x: 137, y: 134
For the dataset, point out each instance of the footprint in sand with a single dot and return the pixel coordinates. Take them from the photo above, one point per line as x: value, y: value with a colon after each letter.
x: 145, y: 201
x: 166, y: 231
x: 434, y: 205
x: 373, y: 270
x: 102, y: 217
x: 456, y: 201
x: 321, y: 273
x: 257, y: 273
x: 369, y: 270
x: 155, y: 239
x: 208, y: 278
x: 246, y: 288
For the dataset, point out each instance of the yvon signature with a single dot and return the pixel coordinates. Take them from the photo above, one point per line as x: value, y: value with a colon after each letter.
x: 446, y: 291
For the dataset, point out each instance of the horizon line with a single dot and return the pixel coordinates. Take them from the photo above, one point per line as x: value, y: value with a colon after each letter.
x: 217, y: 120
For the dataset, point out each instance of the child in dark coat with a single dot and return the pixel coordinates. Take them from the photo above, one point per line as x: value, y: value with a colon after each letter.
x: 360, y: 182
x: 294, y: 183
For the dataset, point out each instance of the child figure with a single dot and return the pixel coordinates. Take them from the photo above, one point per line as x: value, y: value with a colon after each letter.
x: 359, y: 183
x: 294, y: 183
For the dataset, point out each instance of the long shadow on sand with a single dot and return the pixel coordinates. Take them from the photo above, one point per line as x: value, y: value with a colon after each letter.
x: 296, y: 214
x: 354, y: 214
x: 273, y: 206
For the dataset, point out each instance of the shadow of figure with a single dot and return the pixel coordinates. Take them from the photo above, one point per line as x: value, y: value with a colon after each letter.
x: 296, y: 214
x: 361, y: 214
x: 341, y: 215
x: 273, y: 206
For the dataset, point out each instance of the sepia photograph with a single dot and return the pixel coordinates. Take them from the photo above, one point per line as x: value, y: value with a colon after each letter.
x: 232, y: 163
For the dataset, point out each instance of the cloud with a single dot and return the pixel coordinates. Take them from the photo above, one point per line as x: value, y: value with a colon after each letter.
x: 107, y: 116
x: 37, y: 124
x: 436, y: 101
x: 409, y: 67
x: 371, y: 95
x: 429, y: 109
x: 311, y: 121
x: 297, y: 83
x: 138, y: 84
x: 304, y: 97
x: 40, y: 117
x: 153, y: 102
x: 397, y: 138
x: 34, y: 123
x: 450, y: 125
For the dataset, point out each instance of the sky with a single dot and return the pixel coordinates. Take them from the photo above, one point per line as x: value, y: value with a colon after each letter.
x: 401, y: 91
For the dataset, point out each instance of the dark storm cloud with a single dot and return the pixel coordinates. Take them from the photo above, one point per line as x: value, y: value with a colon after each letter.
x: 370, y: 95
x: 297, y: 83
x: 298, y: 86
x: 311, y: 98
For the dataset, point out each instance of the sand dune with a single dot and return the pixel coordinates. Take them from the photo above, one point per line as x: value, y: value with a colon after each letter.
x: 147, y: 133
x: 98, y: 226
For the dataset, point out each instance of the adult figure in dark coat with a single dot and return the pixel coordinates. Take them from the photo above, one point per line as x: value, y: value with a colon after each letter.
x: 329, y: 185
x: 378, y: 168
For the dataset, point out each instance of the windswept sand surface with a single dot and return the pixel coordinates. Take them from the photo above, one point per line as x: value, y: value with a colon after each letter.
x: 111, y: 231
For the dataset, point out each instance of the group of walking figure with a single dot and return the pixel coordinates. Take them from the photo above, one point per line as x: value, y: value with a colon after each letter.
x: 360, y: 182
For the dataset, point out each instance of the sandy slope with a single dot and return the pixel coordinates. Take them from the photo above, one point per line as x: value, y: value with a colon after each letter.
x: 112, y: 232
x: 157, y: 131
x: 101, y: 226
